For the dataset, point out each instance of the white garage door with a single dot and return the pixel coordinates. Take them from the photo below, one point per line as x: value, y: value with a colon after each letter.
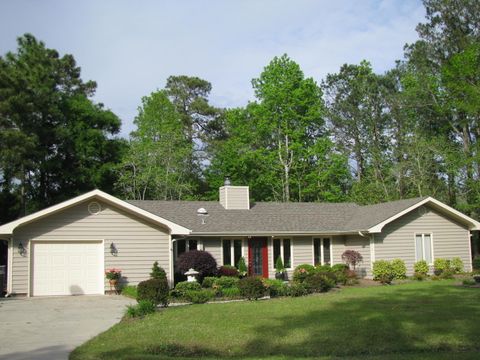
x: 67, y: 268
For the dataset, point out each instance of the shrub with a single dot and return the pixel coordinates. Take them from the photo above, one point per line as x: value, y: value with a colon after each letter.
x: 339, y: 267
x: 419, y: 276
x: 242, y: 267
x: 227, y: 270
x: 302, y: 271
x: 199, y: 296
x: 421, y: 267
x: 352, y: 258
x: 351, y: 276
x: 382, y: 271
x: 182, y: 287
x: 144, y: 307
x: 251, y: 287
x: 298, y: 289
x: 447, y: 274
x: 441, y: 265
x: 324, y: 268
x: 154, y: 290
x: 226, y: 282
x: 279, y: 267
x: 457, y: 265
x: 201, y: 261
x: 399, y: 270
x: 476, y: 263
x: 129, y: 291
x: 208, y: 281
x: 232, y: 293
x: 276, y: 287
x: 157, y: 272
x: 469, y: 282
x: 319, y: 282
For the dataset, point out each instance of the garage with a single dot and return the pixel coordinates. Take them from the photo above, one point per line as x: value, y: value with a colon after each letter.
x: 67, y: 268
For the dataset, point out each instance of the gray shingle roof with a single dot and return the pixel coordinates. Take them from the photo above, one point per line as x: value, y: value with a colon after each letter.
x: 271, y: 217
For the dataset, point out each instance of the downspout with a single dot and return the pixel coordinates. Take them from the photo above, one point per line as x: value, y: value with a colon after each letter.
x: 9, y: 267
x: 172, y: 240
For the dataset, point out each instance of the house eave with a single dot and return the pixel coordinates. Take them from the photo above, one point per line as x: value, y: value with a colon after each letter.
x: 273, y: 233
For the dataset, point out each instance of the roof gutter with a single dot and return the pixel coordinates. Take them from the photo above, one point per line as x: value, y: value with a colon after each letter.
x: 273, y: 233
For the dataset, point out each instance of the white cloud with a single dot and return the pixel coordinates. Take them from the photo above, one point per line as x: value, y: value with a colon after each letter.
x: 130, y: 48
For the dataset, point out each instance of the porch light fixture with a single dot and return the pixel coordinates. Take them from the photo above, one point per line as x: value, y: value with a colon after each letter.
x: 202, y: 213
x: 21, y: 249
x: 113, y: 249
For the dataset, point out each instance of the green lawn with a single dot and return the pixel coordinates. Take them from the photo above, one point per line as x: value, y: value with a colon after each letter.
x: 423, y: 320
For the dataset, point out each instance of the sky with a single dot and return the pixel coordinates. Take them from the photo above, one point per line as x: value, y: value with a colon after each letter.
x: 131, y: 47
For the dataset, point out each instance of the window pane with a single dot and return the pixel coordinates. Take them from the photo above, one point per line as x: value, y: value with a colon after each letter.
x: 286, y: 253
x: 427, y: 241
x: 181, y: 247
x: 326, y: 251
x: 237, y: 251
x: 192, y: 245
x: 276, y: 251
x: 227, y: 253
x: 316, y: 251
x: 419, y: 248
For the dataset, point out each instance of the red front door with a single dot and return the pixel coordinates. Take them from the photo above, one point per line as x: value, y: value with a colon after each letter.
x: 258, y: 257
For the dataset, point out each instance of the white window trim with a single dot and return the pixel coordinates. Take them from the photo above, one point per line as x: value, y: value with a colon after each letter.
x: 232, y: 248
x: 187, y: 245
x: 322, y: 258
x: 423, y: 245
x: 282, y: 252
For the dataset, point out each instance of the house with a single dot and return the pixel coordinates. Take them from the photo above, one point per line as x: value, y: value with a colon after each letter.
x: 65, y: 249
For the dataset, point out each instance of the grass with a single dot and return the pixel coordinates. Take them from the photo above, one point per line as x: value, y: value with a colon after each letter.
x: 421, y: 320
x: 129, y: 291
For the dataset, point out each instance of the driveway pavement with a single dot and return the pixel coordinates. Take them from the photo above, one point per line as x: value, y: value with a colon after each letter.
x: 51, y: 327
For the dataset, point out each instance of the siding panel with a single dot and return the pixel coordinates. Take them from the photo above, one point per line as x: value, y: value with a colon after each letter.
x: 139, y: 243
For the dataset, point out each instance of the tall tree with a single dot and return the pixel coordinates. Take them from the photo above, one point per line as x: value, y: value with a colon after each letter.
x: 55, y: 142
x: 157, y: 163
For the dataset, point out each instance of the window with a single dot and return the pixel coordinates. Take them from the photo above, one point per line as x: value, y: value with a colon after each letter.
x: 282, y: 248
x: 322, y: 251
x: 232, y: 250
x: 424, y: 248
x: 187, y: 245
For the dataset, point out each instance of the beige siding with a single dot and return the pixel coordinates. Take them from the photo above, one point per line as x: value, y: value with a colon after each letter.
x: 397, y: 239
x: 353, y: 242
x: 214, y: 247
x: 139, y: 243
x: 338, y: 247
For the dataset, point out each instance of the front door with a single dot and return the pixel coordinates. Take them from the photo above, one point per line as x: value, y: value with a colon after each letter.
x: 258, y: 257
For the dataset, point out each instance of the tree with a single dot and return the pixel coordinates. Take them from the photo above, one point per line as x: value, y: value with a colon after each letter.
x: 55, y: 142
x: 157, y: 164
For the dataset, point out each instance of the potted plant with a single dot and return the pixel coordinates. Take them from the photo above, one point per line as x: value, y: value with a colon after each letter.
x: 279, y: 269
x: 113, y: 275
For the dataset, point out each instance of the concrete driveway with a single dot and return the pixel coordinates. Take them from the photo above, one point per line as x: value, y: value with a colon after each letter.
x: 51, y: 327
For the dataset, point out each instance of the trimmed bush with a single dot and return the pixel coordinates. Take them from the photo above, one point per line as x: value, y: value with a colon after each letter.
x: 319, y: 282
x: 144, y: 307
x: 208, y: 281
x: 251, y: 287
x: 154, y: 290
x: 276, y: 287
x: 399, y: 270
x: 421, y: 268
x: 182, y: 287
x: 441, y: 265
x: 339, y: 267
x: 227, y: 270
x: 242, y: 267
x: 158, y: 272
x: 352, y: 258
x: 324, y: 268
x: 302, y: 271
x: 382, y: 271
x: 226, y: 282
x: 298, y: 289
x: 231, y: 293
x: 199, y: 296
x: 201, y: 261
x: 457, y: 265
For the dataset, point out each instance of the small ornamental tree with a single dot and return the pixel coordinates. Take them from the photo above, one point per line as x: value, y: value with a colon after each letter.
x: 352, y: 258
x: 279, y: 268
x: 158, y: 272
x: 201, y: 261
x: 242, y: 267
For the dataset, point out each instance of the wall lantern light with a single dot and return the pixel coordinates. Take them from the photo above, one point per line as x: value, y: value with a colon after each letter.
x: 21, y: 249
x: 113, y: 249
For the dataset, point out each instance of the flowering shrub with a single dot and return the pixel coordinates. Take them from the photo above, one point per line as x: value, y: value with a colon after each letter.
x: 302, y: 271
x: 113, y: 274
x: 352, y: 258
